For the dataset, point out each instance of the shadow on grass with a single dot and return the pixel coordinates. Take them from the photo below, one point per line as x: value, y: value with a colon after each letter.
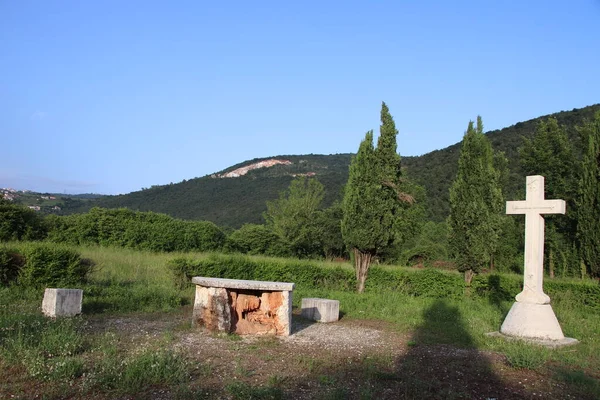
x: 442, y: 361
x: 498, y: 295
x: 588, y: 386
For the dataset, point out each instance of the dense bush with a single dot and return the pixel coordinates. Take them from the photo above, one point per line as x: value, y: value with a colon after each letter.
x: 416, y: 282
x: 51, y: 266
x: 135, y: 229
x: 20, y: 223
x: 256, y: 239
x: 11, y: 263
x: 428, y: 282
x: 503, y: 287
x: 240, y: 267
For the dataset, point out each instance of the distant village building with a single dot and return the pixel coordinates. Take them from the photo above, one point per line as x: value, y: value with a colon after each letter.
x: 36, y: 208
x: 8, y: 196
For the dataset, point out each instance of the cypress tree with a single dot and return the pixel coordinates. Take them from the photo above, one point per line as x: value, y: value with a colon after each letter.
x: 373, y: 197
x: 588, y: 232
x: 550, y: 154
x: 475, y: 204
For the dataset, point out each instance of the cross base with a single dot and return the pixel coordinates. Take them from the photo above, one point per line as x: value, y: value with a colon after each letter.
x: 532, y: 321
x: 552, y: 344
x: 533, y: 297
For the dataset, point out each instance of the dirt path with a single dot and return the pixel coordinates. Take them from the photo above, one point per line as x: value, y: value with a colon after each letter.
x: 347, y: 359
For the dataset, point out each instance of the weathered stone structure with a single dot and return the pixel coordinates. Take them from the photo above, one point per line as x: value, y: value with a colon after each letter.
x: 62, y: 302
x: 321, y: 310
x: 243, y: 307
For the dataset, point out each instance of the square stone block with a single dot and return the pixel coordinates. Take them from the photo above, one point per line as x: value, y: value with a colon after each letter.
x: 321, y: 310
x: 62, y: 302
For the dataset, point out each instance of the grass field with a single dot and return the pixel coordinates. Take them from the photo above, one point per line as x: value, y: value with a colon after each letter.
x: 91, y: 357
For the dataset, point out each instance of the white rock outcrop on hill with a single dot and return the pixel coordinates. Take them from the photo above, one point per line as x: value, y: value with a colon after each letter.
x: 261, y: 164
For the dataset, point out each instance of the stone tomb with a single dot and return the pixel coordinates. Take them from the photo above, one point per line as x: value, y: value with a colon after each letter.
x: 62, y: 302
x: 243, y: 307
x: 321, y: 310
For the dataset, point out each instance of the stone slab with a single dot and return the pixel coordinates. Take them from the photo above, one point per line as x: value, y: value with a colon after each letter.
x: 62, y: 302
x: 243, y: 284
x: 553, y: 344
x: 321, y: 310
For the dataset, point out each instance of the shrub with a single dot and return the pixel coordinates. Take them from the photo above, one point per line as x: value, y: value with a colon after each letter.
x: 11, y: 263
x: 256, y: 239
x: 136, y: 230
x: 52, y: 266
x: 497, y: 287
x: 502, y: 287
x: 241, y: 267
x: 429, y: 282
x: 20, y: 223
x: 426, y: 282
x: 424, y: 254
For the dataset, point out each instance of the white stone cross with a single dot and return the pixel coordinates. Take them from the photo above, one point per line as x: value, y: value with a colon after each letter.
x: 533, y: 207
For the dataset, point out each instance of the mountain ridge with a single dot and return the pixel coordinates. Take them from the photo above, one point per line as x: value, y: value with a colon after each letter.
x: 233, y: 201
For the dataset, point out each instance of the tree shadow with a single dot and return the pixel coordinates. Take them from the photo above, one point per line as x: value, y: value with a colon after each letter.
x: 498, y: 295
x: 299, y: 323
x: 443, y: 361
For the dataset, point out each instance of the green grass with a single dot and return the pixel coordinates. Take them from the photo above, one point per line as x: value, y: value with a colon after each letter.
x: 125, y: 281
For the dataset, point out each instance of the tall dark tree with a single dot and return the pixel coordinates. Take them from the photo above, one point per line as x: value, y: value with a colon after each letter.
x: 475, y: 204
x: 588, y: 231
x: 550, y: 154
x: 373, y: 198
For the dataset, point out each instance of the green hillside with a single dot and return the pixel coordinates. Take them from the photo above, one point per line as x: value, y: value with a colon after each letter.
x: 231, y: 202
x: 436, y: 170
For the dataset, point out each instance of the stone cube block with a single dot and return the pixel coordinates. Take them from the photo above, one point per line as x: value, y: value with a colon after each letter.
x: 62, y: 302
x: 321, y: 310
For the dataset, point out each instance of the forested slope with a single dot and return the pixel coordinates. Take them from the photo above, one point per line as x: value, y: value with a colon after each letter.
x: 231, y: 202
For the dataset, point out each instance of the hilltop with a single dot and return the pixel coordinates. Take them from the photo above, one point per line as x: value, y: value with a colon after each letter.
x: 238, y: 194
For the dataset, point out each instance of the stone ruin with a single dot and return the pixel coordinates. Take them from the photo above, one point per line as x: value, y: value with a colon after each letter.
x: 243, y: 307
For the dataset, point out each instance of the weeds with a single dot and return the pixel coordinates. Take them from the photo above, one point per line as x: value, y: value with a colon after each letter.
x: 521, y: 355
x: 244, y: 391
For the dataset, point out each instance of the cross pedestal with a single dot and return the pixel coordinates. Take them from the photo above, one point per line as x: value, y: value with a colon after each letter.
x: 531, y: 316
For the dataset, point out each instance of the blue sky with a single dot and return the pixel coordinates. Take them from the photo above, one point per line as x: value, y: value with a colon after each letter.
x: 112, y: 96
